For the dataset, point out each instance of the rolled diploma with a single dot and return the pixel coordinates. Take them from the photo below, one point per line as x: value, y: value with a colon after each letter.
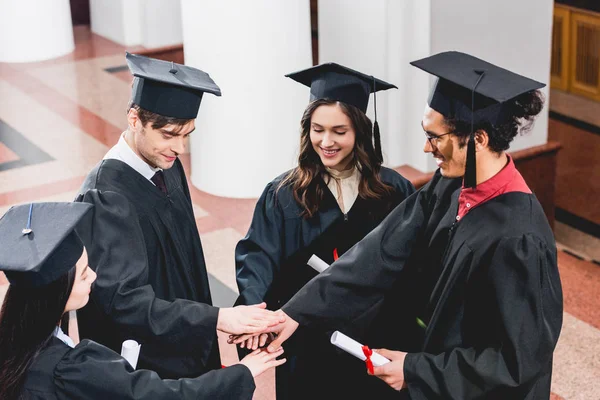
x: 317, y: 264
x: 353, y: 347
x: 130, y: 350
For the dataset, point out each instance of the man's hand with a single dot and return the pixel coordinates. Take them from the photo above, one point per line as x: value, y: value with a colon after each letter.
x: 257, y: 341
x: 283, y: 331
x: 391, y: 373
x: 252, y: 319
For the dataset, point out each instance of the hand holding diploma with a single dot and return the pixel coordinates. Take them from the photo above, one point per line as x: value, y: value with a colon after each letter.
x: 387, y: 365
x: 391, y: 373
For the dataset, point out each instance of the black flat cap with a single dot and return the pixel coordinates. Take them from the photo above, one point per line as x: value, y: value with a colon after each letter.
x: 39, y: 243
x: 336, y: 82
x: 167, y: 88
x: 459, y: 74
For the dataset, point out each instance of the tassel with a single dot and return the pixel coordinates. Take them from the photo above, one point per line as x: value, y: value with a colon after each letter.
x: 470, y: 179
x: 377, y: 137
x: 471, y: 168
x: 376, y: 133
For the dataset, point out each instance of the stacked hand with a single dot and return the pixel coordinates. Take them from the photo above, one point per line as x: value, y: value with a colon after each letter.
x: 274, y: 336
x: 252, y: 320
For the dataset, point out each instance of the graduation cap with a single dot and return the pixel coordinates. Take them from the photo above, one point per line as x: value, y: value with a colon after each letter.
x: 336, y: 82
x: 472, y: 90
x: 39, y: 242
x: 168, y: 88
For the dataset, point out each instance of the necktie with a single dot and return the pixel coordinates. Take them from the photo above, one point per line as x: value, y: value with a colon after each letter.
x: 159, y: 180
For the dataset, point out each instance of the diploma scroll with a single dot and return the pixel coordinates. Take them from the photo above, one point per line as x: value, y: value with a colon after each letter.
x: 130, y: 350
x: 351, y: 346
x: 317, y: 264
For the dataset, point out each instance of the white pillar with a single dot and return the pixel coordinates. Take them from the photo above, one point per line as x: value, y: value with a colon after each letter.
x: 118, y: 20
x: 514, y: 34
x: 251, y: 134
x: 35, y: 30
x: 393, y: 33
x: 161, y: 23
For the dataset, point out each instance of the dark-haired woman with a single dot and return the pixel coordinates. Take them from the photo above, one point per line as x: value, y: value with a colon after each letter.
x: 335, y: 196
x: 38, y: 361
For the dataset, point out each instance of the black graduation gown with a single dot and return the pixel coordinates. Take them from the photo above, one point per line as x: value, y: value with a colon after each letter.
x: 271, y: 266
x: 92, y: 371
x: 493, y: 302
x: 152, y: 283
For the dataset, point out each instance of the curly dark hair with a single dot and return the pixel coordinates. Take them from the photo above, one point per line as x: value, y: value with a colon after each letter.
x: 523, y: 109
x: 305, y: 178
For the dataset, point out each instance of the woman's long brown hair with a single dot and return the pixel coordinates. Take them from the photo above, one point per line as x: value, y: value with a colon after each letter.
x: 305, y: 178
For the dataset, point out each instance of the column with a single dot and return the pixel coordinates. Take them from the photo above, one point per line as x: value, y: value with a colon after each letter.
x: 118, y: 20
x: 250, y: 135
x: 35, y: 30
x: 380, y: 37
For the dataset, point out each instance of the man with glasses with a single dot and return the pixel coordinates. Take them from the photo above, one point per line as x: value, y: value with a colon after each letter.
x: 474, y: 242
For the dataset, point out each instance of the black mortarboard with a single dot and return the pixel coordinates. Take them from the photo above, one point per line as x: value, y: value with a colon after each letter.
x: 336, y: 82
x: 39, y: 243
x: 469, y: 89
x: 167, y: 88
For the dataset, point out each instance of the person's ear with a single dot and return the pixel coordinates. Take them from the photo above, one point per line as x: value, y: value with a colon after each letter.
x: 481, y: 140
x: 133, y: 119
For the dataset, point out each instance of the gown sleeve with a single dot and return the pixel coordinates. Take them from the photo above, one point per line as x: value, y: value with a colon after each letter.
x: 117, y: 252
x: 259, y: 254
x: 526, y: 301
x: 357, y: 282
x: 92, y: 371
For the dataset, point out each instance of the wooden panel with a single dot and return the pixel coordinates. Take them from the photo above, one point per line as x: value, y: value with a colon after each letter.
x: 538, y: 167
x: 559, y: 75
x: 585, y: 55
x: 168, y: 53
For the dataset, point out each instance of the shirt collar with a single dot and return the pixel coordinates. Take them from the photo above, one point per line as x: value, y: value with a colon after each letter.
x: 507, y: 180
x: 63, y: 337
x: 122, y: 152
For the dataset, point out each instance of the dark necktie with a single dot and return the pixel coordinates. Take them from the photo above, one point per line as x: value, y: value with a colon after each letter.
x: 159, y: 180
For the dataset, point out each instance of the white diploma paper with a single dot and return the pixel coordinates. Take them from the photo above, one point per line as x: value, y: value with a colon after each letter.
x: 130, y: 350
x: 353, y: 347
x: 317, y: 264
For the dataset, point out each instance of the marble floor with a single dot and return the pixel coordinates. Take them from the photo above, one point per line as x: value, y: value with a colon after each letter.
x: 59, y: 117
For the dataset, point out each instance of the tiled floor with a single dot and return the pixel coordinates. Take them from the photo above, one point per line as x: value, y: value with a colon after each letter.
x: 59, y: 117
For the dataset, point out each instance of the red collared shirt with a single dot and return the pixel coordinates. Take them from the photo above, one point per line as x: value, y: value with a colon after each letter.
x: 506, y: 181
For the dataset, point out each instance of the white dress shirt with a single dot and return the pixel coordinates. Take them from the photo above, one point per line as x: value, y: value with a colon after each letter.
x: 122, y: 152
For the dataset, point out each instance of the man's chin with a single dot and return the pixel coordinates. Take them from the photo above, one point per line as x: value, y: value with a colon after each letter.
x: 166, y: 164
x: 450, y: 174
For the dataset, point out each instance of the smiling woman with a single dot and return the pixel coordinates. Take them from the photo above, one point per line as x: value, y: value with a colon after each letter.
x: 336, y: 195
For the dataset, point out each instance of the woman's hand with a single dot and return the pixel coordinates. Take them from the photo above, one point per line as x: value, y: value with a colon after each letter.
x: 260, y: 361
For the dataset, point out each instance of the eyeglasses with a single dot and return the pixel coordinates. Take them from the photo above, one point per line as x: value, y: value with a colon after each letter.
x: 433, y: 138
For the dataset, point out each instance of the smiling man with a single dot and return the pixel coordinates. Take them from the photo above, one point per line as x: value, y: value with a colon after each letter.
x: 142, y: 238
x: 475, y: 245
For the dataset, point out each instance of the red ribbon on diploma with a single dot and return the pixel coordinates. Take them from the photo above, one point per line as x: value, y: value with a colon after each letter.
x: 335, y: 254
x: 367, y: 352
